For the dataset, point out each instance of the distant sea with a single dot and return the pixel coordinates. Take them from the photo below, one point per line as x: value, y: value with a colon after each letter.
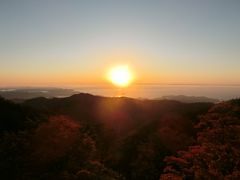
x: 143, y: 91
x: 152, y: 91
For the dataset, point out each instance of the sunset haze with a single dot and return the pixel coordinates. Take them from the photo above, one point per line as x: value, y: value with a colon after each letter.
x: 72, y: 42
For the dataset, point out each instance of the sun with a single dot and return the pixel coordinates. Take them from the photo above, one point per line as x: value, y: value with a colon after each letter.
x: 120, y: 76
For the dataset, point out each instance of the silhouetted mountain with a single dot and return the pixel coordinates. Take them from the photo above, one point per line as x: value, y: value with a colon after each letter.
x: 14, y: 117
x: 92, y: 137
x: 126, y: 124
x: 120, y: 114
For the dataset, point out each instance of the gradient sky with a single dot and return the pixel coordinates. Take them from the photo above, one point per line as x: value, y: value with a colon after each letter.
x: 70, y: 42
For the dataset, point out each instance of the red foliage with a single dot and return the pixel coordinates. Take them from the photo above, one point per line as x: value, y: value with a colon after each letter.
x: 54, y: 137
x: 217, y: 155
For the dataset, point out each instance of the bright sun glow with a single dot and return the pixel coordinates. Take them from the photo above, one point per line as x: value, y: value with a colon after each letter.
x: 120, y: 76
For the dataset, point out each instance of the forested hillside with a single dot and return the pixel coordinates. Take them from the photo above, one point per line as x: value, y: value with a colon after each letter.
x: 92, y: 137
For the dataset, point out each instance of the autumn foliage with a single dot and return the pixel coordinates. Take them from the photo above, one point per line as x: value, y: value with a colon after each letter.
x: 216, y: 154
x: 87, y: 137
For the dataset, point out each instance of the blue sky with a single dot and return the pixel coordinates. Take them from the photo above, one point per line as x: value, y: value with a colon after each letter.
x: 171, y: 41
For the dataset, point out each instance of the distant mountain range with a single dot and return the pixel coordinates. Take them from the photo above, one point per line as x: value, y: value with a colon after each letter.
x: 21, y: 94
x: 189, y: 99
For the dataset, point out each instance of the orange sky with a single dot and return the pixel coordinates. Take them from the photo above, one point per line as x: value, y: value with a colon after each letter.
x: 72, y: 43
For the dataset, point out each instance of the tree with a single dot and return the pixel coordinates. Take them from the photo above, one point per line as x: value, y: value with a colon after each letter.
x: 217, y: 153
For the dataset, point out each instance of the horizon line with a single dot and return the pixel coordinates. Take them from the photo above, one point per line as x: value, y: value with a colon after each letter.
x: 106, y: 84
